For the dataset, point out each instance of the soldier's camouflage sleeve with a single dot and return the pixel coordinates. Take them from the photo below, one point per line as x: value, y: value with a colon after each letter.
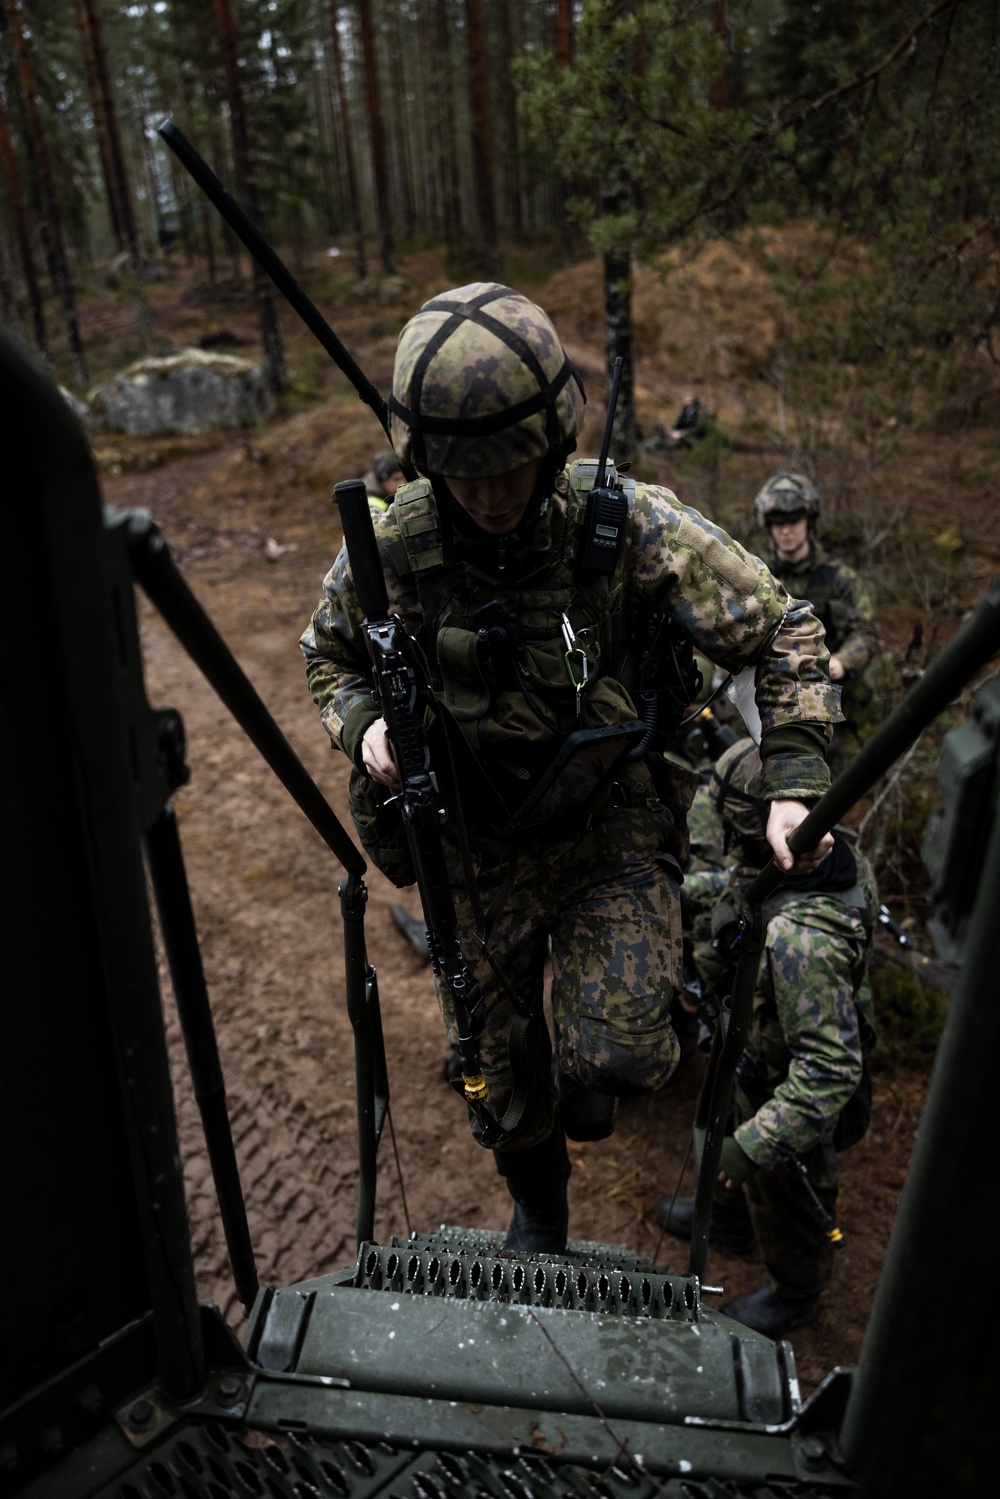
x: 811, y: 952
x: 736, y: 613
x: 860, y: 640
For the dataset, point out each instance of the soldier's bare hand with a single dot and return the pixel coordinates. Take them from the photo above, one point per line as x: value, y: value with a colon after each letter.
x: 376, y: 756
x: 836, y: 669
x: 782, y: 819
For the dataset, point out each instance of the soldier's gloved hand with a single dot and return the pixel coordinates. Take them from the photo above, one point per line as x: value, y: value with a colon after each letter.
x: 376, y: 755
x: 783, y: 818
x: 735, y: 1166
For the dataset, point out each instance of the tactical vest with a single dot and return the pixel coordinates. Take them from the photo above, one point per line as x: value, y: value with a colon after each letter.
x: 816, y: 581
x: 521, y: 658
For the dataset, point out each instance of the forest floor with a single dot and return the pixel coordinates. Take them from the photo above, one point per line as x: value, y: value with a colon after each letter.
x: 248, y: 518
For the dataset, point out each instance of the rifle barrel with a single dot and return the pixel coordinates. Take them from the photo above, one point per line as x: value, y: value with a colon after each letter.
x: 351, y: 499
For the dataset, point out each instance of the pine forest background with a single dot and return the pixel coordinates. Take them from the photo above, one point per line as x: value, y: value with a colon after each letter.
x: 629, y: 128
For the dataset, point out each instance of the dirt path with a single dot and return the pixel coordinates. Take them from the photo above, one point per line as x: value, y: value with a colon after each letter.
x: 265, y: 895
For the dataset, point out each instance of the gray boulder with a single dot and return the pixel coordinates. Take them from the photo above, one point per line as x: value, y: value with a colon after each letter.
x: 192, y: 391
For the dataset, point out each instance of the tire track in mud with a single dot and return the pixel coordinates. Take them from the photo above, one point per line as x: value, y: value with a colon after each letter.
x: 299, y: 1190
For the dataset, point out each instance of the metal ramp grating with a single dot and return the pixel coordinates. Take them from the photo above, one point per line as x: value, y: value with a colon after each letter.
x: 211, y: 1461
x: 444, y: 1266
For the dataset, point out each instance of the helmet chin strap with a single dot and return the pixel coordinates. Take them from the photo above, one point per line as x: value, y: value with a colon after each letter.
x: 548, y: 468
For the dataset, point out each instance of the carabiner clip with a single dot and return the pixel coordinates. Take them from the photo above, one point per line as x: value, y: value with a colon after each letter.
x: 577, y: 650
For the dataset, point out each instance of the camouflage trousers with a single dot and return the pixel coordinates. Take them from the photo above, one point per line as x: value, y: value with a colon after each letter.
x: 608, y: 899
x: 792, y: 1239
x: 796, y: 1250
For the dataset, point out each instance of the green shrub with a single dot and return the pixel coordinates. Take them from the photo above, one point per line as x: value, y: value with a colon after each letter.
x: 910, y: 1017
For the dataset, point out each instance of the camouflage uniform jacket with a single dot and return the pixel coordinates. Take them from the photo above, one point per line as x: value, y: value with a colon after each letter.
x: 839, y: 598
x: 722, y: 596
x: 812, y: 1007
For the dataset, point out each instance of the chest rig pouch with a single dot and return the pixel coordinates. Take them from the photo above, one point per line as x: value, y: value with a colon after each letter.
x: 521, y: 651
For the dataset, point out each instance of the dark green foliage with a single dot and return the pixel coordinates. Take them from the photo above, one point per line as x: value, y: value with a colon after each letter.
x: 904, y: 168
x: 910, y: 1017
x: 278, y: 57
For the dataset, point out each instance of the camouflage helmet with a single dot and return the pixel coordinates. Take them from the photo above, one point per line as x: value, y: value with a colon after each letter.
x: 386, y: 464
x: 786, y: 496
x: 482, y: 385
x: 732, y: 789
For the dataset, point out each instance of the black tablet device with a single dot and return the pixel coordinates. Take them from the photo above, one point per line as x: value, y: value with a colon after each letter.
x: 586, y: 759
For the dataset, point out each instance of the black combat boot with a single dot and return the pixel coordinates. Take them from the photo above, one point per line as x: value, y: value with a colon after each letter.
x: 769, y: 1311
x: 731, y: 1228
x: 413, y: 928
x: 585, y: 1113
x: 536, y: 1179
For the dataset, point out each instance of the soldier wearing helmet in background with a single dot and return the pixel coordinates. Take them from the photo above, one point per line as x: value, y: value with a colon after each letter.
x: 788, y: 505
x: 382, y: 481
x: 803, y: 1091
x: 528, y: 642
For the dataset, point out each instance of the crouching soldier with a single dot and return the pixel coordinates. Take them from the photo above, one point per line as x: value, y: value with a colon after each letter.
x: 803, y: 1089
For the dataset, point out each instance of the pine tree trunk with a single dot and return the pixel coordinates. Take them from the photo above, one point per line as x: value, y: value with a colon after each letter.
x: 179, y: 186
x: 481, y: 133
x: 270, y: 332
x: 429, y: 151
x: 100, y: 126
x: 52, y: 235
x: 149, y: 171
x: 324, y: 137
x: 114, y: 135
x: 615, y: 199
x: 230, y: 243
x: 15, y: 197
x: 376, y: 137
x: 90, y: 23
x: 511, y: 154
x: 424, y: 153
x: 564, y: 33
x: 618, y: 333
x: 206, y: 228
x: 564, y: 56
x: 451, y: 194
x: 399, y: 130
x: 10, y: 313
x: 719, y: 93
x: 348, y: 138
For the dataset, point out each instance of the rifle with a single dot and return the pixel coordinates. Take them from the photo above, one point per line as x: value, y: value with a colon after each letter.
x: 892, y: 926
x: 398, y: 690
